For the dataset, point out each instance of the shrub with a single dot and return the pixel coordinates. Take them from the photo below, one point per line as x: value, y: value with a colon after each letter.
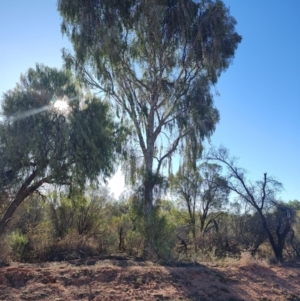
x: 161, y: 237
x: 41, y: 240
x: 20, y: 246
x: 134, y: 242
x: 72, y: 246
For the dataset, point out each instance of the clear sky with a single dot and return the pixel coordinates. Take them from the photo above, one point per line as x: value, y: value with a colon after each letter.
x: 259, y: 98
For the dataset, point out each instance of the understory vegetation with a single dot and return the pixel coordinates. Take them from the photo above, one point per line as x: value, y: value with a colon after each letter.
x: 60, y: 227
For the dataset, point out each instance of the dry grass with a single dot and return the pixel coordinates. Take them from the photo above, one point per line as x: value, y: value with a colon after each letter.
x: 246, y: 259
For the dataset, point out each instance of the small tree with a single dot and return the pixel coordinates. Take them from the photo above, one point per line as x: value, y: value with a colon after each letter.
x: 261, y: 195
x: 203, y: 192
x: 40, y: 145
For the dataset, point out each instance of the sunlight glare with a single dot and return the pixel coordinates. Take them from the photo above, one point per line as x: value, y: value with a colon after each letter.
x: 61, y: 105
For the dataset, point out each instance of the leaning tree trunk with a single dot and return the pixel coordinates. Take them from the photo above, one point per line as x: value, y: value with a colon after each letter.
x: 25, y: 190
x: 9, y: 212
x: 269, y: 234
x: 21, y: 196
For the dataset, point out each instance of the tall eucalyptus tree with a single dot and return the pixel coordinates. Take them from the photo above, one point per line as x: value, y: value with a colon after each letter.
x: 156, y: 60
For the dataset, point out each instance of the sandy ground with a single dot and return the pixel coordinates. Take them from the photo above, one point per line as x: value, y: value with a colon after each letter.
x: 96, y: 279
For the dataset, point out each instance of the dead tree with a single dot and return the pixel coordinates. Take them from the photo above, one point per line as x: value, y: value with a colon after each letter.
x: 261, y: 196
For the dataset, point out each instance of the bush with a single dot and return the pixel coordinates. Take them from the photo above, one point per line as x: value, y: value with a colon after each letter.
x: 72, y: 246
x: 134, y: 242
x: 41, y: 240
x: 20, y: 246
x: 161, y: 238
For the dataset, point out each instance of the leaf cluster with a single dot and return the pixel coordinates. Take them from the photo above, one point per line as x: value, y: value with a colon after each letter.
x: 36, y: 140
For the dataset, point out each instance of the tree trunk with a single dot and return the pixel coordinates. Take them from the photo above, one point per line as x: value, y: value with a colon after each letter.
x: 22, y: 194
x: 149, y: 183
x: 121, y: 240
x: 194, y: 237
x: 10, y: 211
x: 270, y: 236
x: 281, y: 237
x: 148, y: 212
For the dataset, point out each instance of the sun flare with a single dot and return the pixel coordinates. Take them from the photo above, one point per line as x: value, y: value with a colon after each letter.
x: 61, y: 105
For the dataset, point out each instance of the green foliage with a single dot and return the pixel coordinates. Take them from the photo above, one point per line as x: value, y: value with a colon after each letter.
x: 128, y: 222
x: 88, y: 213
x: 19, y: 244
x: 40, y: 145
x: 118, y: 227
x: 79, y: 211
x: 203, y: 193
x: 294, y: 204
x: 61, y: 213
x: 161, y: 237
x: 134, y: 242
x: 41, y: 240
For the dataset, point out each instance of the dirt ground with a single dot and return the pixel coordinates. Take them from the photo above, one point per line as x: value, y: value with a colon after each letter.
x: 113, y: 279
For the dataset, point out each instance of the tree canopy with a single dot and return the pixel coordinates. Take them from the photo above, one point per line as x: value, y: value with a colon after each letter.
x: 41, y: 145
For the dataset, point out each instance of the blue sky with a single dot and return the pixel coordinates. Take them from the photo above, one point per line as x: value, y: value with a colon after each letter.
x: 259, y: 98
